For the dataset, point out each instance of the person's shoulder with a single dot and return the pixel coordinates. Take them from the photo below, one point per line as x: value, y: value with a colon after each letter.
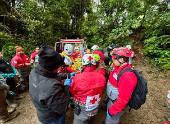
x: 33, y: 53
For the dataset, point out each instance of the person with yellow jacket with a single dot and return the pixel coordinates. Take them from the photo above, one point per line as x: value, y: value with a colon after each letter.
x: 68, y: 51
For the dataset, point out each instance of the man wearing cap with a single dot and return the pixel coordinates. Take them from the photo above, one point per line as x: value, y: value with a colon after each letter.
x: 22, y: 63
x: 48, y: 94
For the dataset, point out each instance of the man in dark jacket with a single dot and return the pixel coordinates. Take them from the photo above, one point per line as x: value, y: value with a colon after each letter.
x: 48, y: 93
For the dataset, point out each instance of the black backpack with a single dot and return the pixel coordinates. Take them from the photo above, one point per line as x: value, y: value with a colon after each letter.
x: 5, y: 67
x: 139, y: 94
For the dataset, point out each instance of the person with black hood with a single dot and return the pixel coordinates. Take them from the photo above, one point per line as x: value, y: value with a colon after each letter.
x: 48, y: 93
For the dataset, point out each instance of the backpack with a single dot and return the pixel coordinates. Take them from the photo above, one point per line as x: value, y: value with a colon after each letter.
x: 139, y: 94
x: 5, y: 67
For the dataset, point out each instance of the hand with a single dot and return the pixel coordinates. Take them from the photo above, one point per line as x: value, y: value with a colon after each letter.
x: 68, y: 82
x: 73, y: 74
x: 27, y: 64
x: 108, y: 114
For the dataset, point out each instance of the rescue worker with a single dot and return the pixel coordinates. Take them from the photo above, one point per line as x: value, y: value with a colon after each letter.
x: 4, y: 114
x: 99, y: 68
x: 95, y: 50
x: 48, y: 93
x: 76, y: 53
x: 22, y: 63
x: 68, y: 51
x: 8, y: 72
x: 65, y: 67
x: 34, y: 56
x: 87, y: 88
x: 119, y: 95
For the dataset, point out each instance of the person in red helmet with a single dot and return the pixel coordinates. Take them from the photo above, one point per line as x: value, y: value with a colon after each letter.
x: 119, y: 95
x: 87, y: 88
x: 95, y: 50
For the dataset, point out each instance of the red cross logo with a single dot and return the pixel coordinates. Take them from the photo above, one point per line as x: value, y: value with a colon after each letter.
x: 90, y: 58
x: 93, y: 101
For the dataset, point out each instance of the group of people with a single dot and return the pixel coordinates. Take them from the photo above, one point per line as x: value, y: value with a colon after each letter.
x: 51, y: 95
x: 52, y: 83
x: 14, y: 78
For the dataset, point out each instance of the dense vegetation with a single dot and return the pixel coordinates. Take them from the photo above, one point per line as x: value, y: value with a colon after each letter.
x: 31, y: 23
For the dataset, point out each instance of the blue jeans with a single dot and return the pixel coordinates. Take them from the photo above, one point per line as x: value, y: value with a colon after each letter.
x: 61, y: 120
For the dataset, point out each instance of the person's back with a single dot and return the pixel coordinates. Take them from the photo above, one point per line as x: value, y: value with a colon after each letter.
x: 86, y: 89
x: 48, y: 94
x: 42, y: 88
x: 87, y: 83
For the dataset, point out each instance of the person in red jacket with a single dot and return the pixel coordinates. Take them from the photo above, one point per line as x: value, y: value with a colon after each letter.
x: 87, y: 88
x: 22, y: 63
x: 95, y: 50
x: 34, y: 56
x: 76, y: 53
x: 119, y: 95
x: 65, y: 67
x: 99, y: 68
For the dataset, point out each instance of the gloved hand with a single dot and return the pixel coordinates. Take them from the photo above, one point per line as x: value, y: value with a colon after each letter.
x: 68, y: 82
x: 108, y: 114
x: 73, y: 74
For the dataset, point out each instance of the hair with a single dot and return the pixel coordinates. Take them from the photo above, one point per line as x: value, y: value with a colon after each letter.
x: 126, y: 59
x: 88, y: 65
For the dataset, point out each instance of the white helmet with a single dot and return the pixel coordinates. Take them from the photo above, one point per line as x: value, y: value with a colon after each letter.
x: 95, y: 47
x: 76, y: 48
x: 88, y: 59
x: 67, y: 60
x: 128, y: 47
x: 68, y: 49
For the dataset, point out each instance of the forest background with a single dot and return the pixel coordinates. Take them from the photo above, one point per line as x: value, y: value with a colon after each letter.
x: 31, y: 23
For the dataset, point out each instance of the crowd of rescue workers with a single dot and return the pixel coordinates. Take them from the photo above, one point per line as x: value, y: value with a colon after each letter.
x: 58, y: 81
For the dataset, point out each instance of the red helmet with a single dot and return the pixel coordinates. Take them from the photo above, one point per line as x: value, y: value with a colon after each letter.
x: 121, y: 52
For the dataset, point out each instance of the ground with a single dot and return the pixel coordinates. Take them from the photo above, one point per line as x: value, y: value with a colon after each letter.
x: 152, y: 112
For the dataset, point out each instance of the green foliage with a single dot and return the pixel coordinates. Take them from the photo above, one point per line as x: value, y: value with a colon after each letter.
x: 43, y: 22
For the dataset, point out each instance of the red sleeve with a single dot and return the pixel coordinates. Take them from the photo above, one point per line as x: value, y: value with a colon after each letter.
x: 26, y: 59
x: 14, y: 63
x: 32, y: 56
x: 127, y: 84
x: 69, y: 70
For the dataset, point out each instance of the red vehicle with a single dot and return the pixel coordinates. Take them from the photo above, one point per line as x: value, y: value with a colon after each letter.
x: 80, y: 43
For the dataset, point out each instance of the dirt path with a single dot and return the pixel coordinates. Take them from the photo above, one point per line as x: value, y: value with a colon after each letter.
x: 152, y: 112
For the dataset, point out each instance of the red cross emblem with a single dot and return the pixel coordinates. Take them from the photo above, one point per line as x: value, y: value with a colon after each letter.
x: 93, y: 101
x: 90, y: 58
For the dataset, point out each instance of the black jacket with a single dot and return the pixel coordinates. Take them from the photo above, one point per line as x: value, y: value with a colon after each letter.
x: 48, y: 94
